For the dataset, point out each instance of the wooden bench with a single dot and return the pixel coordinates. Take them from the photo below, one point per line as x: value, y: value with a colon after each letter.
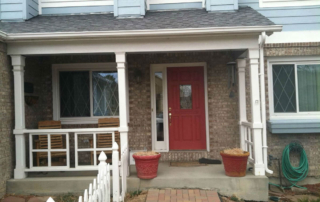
x: 105, y: 140
x: 56, y: 141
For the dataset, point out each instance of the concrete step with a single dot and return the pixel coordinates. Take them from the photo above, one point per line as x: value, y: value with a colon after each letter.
x: 209, y: 177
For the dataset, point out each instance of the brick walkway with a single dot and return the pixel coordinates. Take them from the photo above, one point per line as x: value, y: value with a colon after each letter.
x: 182, y: 195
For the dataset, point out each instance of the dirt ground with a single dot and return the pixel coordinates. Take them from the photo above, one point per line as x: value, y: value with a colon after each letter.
x: 139, y: 197
x: 297, y: 195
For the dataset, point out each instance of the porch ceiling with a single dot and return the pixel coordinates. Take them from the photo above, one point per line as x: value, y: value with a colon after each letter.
x: 182, y: 19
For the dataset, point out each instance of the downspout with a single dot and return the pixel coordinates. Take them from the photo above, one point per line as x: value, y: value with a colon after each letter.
x: 263, y: 103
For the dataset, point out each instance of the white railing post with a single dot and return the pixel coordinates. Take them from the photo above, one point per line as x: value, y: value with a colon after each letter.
x: 241, y: 63
x: 101, y: 175
x: 255, y: 112
x: 18, y: 63
x: 51, y: 200
x: 115, y: 172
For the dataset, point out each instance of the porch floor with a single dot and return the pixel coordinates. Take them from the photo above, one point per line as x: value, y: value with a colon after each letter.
x: 210, y: 177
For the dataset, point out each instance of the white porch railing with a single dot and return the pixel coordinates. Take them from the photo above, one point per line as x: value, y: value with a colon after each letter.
x: 100, y: 189
x: 81, y: 136
x: 248, y: 140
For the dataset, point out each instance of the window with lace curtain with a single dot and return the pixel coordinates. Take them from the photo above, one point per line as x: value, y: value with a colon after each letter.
x: 85, y: 92
x: 296, y: 88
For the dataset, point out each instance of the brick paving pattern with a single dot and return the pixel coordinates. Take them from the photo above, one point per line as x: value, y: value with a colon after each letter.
x: 182, y: 195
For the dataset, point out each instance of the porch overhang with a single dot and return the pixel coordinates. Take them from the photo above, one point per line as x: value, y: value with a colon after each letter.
x: 17, y: 37
x: 196, y: 40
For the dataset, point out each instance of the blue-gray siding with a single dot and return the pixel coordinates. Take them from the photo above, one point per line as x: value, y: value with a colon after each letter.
x: 218, y: 5
x: 77, y: 10
x: 129, y: 8
x: 12, y: 10
x: 175, y: 6
x: 18, y: 10
x: 32, y: 8
x: 294, y: 126
x: 292, y: 18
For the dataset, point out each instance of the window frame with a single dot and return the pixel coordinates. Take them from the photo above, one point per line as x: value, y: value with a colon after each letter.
x: 294, y: 61
x: 90, y: 67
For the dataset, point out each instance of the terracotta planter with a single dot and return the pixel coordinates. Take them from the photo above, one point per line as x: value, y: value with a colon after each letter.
x: 235, y: 165
x: 147, y: 166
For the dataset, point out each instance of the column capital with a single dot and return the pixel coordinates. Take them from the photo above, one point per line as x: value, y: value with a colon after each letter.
x: 121, y: 60
x: 241, y: 64
x: 18, y: 60
x: 120, y: 56
x: 253, y: 53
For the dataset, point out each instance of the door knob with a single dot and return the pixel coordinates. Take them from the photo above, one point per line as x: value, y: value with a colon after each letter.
x: 170, y: 119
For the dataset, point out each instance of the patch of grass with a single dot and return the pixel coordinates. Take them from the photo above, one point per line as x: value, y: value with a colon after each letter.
x: 66, y: 198
x: 234, y: 198
x: 309, y: 200
x: 135, y: 193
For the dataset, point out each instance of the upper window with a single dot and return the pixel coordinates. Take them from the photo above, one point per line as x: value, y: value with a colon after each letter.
x: 85, y: 92
x: 288, y: 3
x: 296, y: 88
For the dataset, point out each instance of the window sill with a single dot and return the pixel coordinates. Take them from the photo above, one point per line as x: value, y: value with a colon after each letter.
x: 83, y: 120
x: 285, y: 126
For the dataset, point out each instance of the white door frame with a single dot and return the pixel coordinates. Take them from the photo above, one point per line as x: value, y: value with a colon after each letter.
x: 164, y: 146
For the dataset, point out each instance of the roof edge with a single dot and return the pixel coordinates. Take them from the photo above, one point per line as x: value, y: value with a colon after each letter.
x: 269, y: 29
x: 3, y: 36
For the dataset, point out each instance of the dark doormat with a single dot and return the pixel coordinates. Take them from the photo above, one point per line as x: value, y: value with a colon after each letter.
x: 187, y: 164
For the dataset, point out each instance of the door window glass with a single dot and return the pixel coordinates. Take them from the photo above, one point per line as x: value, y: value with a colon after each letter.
x: 159, y: 105
x: 185, y: 97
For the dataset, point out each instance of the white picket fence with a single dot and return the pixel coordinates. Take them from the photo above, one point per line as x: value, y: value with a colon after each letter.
x: 100, y: 189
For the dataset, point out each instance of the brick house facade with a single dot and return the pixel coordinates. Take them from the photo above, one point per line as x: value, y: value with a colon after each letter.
x: 223, y: 110
x: 6, y: 119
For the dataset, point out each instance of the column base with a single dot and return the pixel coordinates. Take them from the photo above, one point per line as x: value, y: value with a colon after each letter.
x: 20, y: 173
x: 259, y: 170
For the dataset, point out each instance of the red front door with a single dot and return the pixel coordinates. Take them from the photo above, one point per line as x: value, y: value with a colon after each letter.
x: 186, y: 105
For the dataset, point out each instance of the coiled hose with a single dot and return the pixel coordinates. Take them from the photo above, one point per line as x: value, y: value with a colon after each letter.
x: 291, y: 173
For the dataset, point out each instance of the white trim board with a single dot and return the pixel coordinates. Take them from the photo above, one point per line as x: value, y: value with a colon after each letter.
x: 251, y: 30
x: 163, y: 67
x: 288, y: 3
x: 135, y: 45
x: 56, y: 68
x: 289, y: 60
x: 294, y: 37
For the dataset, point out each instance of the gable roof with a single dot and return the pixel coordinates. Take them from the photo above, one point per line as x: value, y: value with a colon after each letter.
x: 181, y: 19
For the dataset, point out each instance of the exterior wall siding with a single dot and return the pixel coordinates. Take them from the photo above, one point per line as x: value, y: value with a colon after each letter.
x: 6, y: 119
x: 12, y: 10
x: 129, y: 8
x: 217, y: 5
x: 32, y: 8
x: 310, y: 141
x: 295, y: 18
x: 18, y: 10
x: 54, y: 7
x: 174, y: 6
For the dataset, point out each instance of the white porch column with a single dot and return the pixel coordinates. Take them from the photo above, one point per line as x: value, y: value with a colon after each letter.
x: 18, y: 63
x: 241, y: 63
x: 123, y: 97
x: 255, y: 111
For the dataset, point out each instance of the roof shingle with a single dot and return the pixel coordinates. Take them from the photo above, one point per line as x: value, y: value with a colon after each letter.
x: 245, y: 16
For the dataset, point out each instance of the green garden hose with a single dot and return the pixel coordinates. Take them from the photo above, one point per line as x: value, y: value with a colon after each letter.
x: 291, y: 173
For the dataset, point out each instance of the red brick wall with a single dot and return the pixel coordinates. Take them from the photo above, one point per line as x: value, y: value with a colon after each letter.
x: 6, y: 119
x: 223, y: 111
x: 277, y: 142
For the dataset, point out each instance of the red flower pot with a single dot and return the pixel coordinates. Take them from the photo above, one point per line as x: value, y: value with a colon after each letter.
x: 147, y: 166
x: 235, y: 165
